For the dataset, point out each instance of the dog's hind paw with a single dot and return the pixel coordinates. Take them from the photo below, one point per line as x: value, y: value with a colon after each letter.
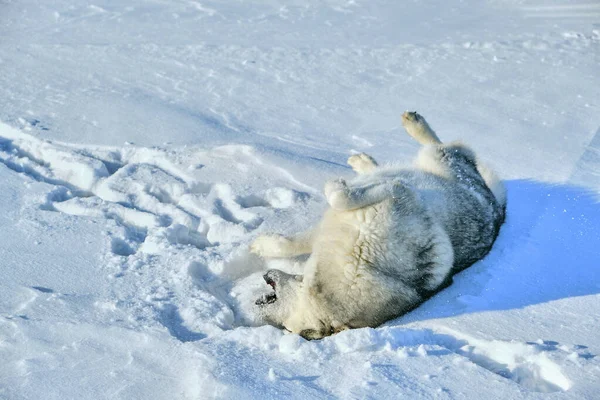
x: 417, y: 127
x: 411, y: 117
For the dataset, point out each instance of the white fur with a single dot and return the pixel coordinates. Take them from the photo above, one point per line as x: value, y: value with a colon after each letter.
x: 493, y: 182
x: 385, y: 242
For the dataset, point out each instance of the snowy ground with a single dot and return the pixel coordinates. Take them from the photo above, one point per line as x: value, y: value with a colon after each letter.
x: 144, y: 144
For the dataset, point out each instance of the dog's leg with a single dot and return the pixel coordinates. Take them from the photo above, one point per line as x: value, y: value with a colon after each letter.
x: 419, y: 129
x: 341, y: 196
x: 279, y: 246
x: 362, y: 163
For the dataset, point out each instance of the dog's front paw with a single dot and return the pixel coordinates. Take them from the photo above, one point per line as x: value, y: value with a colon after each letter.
x: 334, y: 186
x: 269, y: 245
x: 362, y: 163
x: 336, y: 192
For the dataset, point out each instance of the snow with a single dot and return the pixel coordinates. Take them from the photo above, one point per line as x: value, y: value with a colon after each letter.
x: 145, y: 144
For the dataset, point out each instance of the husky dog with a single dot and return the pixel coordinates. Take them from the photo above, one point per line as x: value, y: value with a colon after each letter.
x: 391, y: 238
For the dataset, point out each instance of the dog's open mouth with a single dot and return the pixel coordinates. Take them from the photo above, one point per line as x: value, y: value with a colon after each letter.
x: 267, y: 298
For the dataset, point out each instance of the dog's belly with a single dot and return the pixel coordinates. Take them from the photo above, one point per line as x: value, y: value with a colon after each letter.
x: 350, y: 239
x: 348, y: 255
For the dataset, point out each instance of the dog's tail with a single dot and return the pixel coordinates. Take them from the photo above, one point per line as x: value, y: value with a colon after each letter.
x: 493, y: 183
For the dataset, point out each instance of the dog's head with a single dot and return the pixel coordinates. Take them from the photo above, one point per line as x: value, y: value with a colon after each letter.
x: 276, y: 306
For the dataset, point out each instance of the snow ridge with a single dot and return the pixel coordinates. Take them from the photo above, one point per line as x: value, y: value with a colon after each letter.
x: 159, y: 207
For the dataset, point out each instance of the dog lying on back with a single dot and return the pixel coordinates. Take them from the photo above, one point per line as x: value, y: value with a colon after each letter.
x: 392, y: 238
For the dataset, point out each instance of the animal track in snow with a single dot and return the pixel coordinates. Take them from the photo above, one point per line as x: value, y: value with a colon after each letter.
x: 526, y: 364
x: 171, y: 227
x: 533, y: 365
x: 170, y: 317
x: 144, y: 190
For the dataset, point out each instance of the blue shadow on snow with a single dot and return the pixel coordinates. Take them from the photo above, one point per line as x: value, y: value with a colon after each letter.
x: 548, y: 249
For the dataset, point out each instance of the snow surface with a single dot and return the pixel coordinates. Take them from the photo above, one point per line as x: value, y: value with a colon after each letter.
x: 144, y: 144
